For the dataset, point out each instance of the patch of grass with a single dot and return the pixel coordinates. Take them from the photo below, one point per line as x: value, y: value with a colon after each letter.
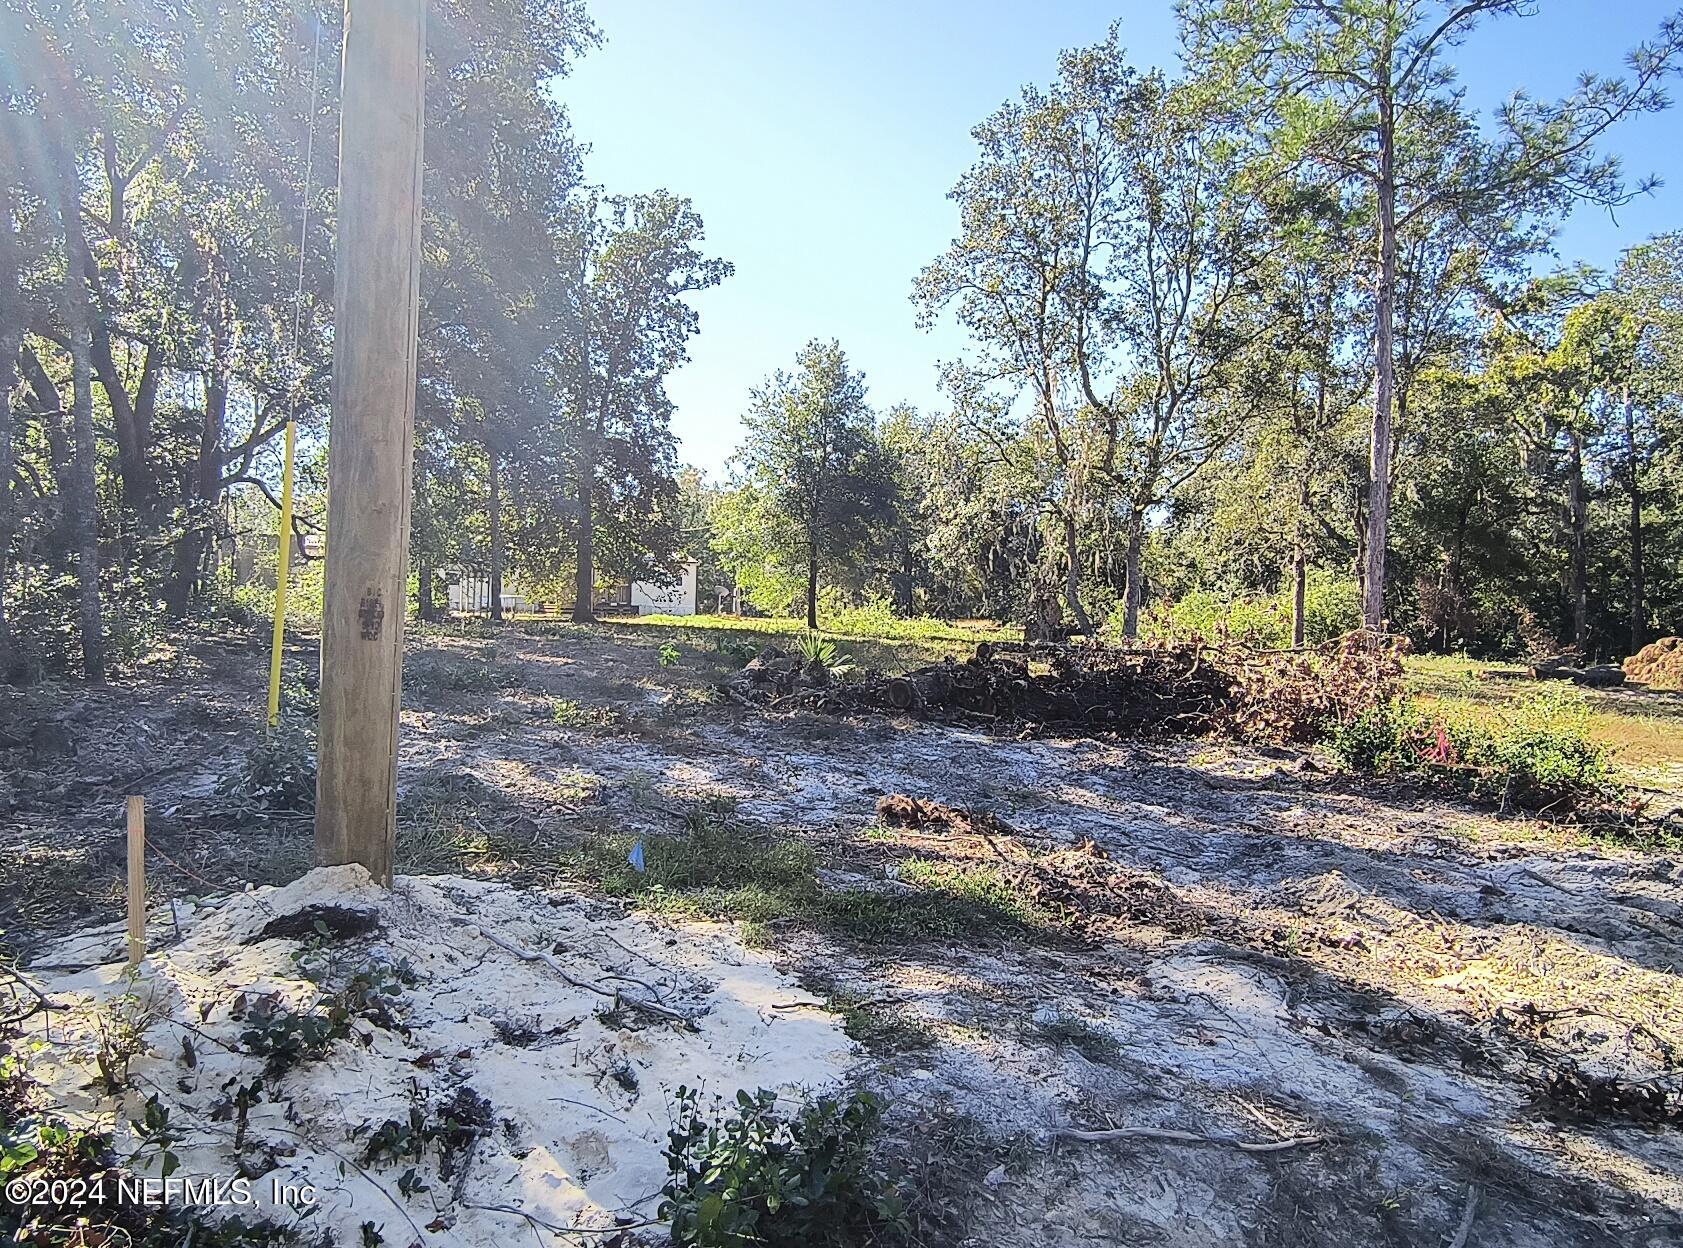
x: 1534, y: 754
x: 947, y: 901
x: 878, y: 1025
x: 454, y: 820
x: 1074, y: 1032
x: 581, y: 716
x: 719, y: 868
x: 709, y: 853
x: 432, y: 672
x: 876, y: 639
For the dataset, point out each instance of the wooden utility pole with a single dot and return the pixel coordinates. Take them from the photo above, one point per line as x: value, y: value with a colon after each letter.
x: 376, y: 298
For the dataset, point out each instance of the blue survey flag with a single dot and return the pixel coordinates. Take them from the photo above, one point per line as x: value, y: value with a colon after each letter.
x: 635, y: 857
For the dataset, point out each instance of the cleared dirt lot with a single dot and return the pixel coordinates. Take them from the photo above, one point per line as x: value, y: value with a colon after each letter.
x: 1384, y: 1015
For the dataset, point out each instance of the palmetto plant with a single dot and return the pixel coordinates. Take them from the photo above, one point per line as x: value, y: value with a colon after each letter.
x: 820, y: 651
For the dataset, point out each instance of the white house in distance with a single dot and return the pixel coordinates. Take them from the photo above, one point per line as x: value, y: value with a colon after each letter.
x: 676, y: 598
x: 469, y: 593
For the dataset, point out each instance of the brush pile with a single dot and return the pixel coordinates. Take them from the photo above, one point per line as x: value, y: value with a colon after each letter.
x: 1095, y: 689
x: 1658, y: 665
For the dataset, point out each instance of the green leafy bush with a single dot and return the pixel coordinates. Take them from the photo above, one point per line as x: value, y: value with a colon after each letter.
x: 753, y: 1175
x: 1535, y: 755
x: 1331, y: 608
x: 279, y: 771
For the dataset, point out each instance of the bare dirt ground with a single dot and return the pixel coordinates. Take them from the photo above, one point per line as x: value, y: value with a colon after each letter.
x: 1385, y: 1019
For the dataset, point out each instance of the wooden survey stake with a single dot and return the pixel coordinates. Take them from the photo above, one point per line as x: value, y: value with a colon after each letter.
x: 137, y: 879
x: 376, y: 305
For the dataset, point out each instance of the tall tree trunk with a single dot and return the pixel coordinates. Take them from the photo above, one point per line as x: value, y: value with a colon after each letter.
x: 82, y: 505
x: 905, y: 584
x: 132, y: 421
x: 493, y: 483
x: 1578, y: 516
x: 1379, y: 449
x: 1299, y: 568
x: 1132, y: 589
x: 584, y: 584
x: 426, y: 606
x: 812, y: 581
x: 1638, y: 587
x: 11, y: 342
x: 204, y: 489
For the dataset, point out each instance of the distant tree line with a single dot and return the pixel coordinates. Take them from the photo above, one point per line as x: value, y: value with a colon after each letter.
x: 1273, y: 332
x: 1277, y: 338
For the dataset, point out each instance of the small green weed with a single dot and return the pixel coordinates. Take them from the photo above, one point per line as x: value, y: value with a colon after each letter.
x: 581, y: 716
x: 879, y: 1026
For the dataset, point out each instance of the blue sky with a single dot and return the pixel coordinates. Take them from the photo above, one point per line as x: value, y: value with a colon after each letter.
x: 819, y: 142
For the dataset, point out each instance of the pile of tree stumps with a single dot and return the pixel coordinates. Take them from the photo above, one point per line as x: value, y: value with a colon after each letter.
x: 1179, y: 688
x: 1082, y: 689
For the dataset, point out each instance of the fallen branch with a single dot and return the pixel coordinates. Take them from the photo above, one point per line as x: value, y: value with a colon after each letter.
x: 1187, y: 1137
x: 41, y: 1004
x: 543, y: 959
x: 557, y: 1227
x: 1467, y: 1214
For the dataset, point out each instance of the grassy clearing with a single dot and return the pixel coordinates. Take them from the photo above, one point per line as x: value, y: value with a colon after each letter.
x: 875, y: 640
x: 1642, y: 732
x: 717, y: 868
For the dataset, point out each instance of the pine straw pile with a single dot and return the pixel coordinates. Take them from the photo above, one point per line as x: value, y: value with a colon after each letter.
x: 1658, y: 665
x: 1095, y: 689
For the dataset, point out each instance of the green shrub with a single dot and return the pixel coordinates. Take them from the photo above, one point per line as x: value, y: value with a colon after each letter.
x: 1248, y: 620
x: 1331, y: 608
x: 753, y: 1175
x: 1536, y: 754
x: 278, y: 772
x: 432, y: 672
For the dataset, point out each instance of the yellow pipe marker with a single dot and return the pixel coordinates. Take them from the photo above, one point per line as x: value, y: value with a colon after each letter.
x: 282, y: 561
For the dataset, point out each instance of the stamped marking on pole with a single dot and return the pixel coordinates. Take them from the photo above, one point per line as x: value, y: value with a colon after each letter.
x: 372, y: 614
